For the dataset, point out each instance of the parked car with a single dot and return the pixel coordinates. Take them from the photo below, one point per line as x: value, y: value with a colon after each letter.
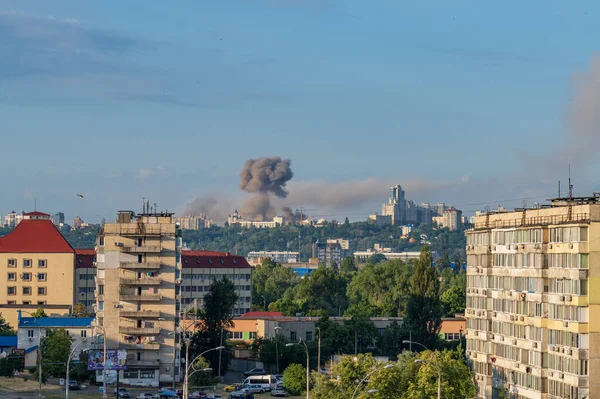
x: 214, y: 396
x: 279, y: 393
x: 74, y: 385
x: 278, y: 377
x: 122, y: 393
x: 256, y: 371
x: 148, y: 395
x: 231, y: 388
x: 241, y: 395
x: 198, y: 395
x: 323, y: 370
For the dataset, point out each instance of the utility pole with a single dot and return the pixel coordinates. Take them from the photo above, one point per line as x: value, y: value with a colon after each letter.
x: 39, y: 354
x: 220, y: 344
x: 319, y: 351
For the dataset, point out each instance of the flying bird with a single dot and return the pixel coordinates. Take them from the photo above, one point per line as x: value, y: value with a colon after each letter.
x: 80, y: 196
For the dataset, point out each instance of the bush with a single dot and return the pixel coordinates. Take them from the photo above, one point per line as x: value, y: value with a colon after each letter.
x: 294, y: 379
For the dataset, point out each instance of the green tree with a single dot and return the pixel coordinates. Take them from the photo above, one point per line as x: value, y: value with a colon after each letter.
x: 453, y: 300
x: 423, y: 315
x: 5, y: 328
x: 269, y: 282
x: 216, y: 321
x: 80, y: 370
x: 294, y: 379
x: 393, y: 382
x: 324, y: 290
x: 456, y: 382
x: 39, y: 313
x: 389, y: 342
x: 55, y: 348
x: 347, y: 265
x: 201, y: 378
x: 375, y: 259
x: 80, y: 310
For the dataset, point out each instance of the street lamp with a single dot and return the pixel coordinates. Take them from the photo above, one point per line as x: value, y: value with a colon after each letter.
x: 189, y: 366
x: 439, y: 371
x: 68, y: 363
x: 299, y: 343
x: 264, y: 302
x: 407, y: 342
x: 277, y: 346
x: 387, y: 366
x: 97, y: 326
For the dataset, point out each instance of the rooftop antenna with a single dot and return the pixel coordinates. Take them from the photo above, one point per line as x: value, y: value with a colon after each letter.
x: 559, y: 189
x: 143, y: 205
x: 570, y: 185
x: 155, y: 207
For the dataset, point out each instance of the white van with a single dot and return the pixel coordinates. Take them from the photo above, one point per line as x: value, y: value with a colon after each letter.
x: 262, y: 382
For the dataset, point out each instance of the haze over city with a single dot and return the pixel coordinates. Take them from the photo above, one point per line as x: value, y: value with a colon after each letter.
x: 120, y: 101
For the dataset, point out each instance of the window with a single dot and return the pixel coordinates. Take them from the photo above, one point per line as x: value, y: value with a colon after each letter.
x: 12, y: 290
x: 253, y: 335
x: 26, y: 290
x: 26, y: 276
x: 236, y: 335
x: 101, y: 290
x: 30, y: 333
x: 12, y: 263
x: 100, y: 305
x: 293, y: 336
x: 146, y: 374
x: 11, y: 302
x: 41, y: 302
x: 26, y: 302
x: 83, y: 333
x: 41, y: 276
x: 42, y: 263
x: 12, y: 276
x: 42, y: 291
x: 82, y: 276
x: 26, y: 262
x: 140, y: 242
x: 309, y: 335
x: 101, y: 241
x: 139, y: 356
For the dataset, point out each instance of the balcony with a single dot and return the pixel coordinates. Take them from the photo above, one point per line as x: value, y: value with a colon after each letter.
x: 146, y: 347
x: 132, y: 314
x: 135, y: 331
x: 141, y: 298
x: 140, y: 266
x: 146, y: 281
x: 142, y: 250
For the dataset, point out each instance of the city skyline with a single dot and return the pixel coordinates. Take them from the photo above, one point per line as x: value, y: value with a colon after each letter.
x: 175, y: 99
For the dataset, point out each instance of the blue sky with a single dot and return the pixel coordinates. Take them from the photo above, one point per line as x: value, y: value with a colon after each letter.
x: 166, y: 100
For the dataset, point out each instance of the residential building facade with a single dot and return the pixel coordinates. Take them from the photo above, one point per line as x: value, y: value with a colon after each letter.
x: 194, y: 222
x: 327, y: 253
x: 138, y: 271
x: 533, y: 318
x: 237, y: 219
x: 37, y: 266
x: 85, y: 278
x: 201, y: 268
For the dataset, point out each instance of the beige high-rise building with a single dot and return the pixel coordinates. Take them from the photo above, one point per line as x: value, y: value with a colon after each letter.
x: 533, y: 301
x: 138, y: 272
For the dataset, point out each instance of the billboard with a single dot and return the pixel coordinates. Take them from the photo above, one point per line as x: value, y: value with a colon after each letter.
x: 115, y: 360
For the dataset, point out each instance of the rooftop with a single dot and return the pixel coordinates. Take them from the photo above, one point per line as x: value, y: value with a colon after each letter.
x: 65, y: 322
x: 212, y: 259
x: 8, y: 341
x: 84, y: 257
x: 35, y: 235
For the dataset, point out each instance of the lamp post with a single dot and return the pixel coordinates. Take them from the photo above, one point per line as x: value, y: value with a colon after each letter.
x: 319, y: 351
x: 277, y: 346
x: 264, y: 302
x: 97, y: 326
x: 302, y: 343
x: 69, y: 362
x: 436, y: 364
x: 189, y: 366
x: 387, y: 366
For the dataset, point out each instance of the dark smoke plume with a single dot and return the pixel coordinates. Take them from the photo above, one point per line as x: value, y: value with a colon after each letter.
x: 265, y: 176
x: 291, y: 216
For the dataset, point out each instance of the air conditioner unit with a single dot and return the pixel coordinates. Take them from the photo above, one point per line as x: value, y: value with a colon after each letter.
x: 570, y: 352
x: 571, y: 245
x: 522, y: 318
x: 178, y: 281
x: 562, y: 350
x: 490, y: 336
x: 566, y: 324
x: 495, y: 314
x: 550, y: 246
x: 30, y: 339
x: 562, y: 298
x: 512, y: 318
x: 569, y: 298
x: 484, y: 292
x: 535, y: 344
x: 514, y: 341
x: 517, y: 365
x: 119, y: 244
x: 561, y: 376
x: 523, y: 246
x: 551, y: 374
x: 523, y: 296
x: 479, y: 314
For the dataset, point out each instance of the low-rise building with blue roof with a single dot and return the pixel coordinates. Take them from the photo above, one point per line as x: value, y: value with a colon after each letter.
x: 8, y: 343
x: 31, y: 330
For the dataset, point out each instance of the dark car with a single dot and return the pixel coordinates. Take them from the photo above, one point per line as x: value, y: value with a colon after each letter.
x: 257, y: 371
x: 241, y: 395
x: 122, y: 393
x: 74, y: 386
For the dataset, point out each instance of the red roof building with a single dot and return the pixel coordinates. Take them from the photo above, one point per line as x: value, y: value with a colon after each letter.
x: 35, y: 235
x: 85, y: 257
x: 212, y: 259
x: 201, y: 268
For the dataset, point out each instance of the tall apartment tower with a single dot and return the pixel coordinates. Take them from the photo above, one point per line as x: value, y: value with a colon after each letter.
x: 138, y: 272
x: 533, y: 301
x: 396, y: 205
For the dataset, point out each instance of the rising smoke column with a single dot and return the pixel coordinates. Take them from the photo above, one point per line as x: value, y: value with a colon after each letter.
x: 264, y: 176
